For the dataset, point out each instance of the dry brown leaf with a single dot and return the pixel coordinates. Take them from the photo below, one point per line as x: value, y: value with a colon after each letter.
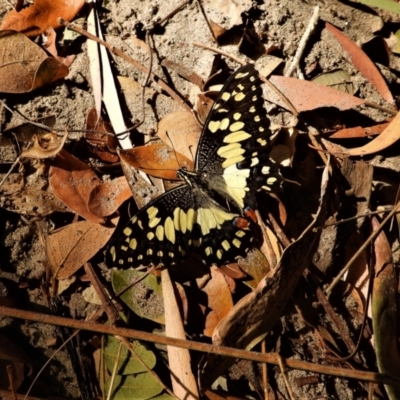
x: 70, y: 247
x: 35, y: 19
x: 219, y: 300
x: 181, y: 131
x: 24, y: 66
x: 389, y: 136
x: 29, y: 194
x: 307, y: 96
x: 107, y: 197
x: 363, y: 63
x: 46, y: 145
x: 359, y: 131
x: 156, y: 159
x: 71, y: 181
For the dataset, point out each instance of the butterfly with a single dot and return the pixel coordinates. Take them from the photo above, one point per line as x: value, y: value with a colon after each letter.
x: 210, y: 214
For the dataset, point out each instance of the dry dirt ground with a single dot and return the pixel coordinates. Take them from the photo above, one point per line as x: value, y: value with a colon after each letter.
x: 279, y: 24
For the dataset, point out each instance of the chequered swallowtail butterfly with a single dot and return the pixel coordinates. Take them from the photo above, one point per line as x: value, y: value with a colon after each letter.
x: 208, y: 213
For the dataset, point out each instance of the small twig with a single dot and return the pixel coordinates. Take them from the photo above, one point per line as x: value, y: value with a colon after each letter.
x: 207, y: 20
x: 371, y: 238
x: 344, y: 221
x: 173, y: 12
x: 286, y: 380
x: 10, y: 170
x: 130, y: 60
x: 218, y: 51
x: 303, y: 42
x: 25, y: 119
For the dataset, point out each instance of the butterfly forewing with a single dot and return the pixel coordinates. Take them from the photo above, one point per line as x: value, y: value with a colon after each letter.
x: 234, y: 145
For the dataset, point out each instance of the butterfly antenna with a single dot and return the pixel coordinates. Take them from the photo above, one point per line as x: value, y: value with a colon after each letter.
x: 173, y: 148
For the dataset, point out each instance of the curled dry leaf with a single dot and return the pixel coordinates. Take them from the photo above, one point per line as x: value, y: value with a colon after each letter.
x: 384, y: 311
x: 24, y: 66
x: 71, y: 181
x: 35, y: 19
x: 181, y: 131
x: 389, y: 136
x: 70, y: 247
x: 156, y: 159
x: 307, y: 96
x: 363, y: 63
x: 219, y: 300
x: 45, y: 145
x: 107, y: 197
x: 359, y: 131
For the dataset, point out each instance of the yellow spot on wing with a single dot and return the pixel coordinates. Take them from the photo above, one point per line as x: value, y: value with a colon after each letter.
x: 236, y: 242
x: 225, y: 96
x: 133, y: 244
x: 240, y: 96
x: 225, y: 244
x: 160, y: 233
x: 236, y: 116
x: 213, y: 126
x: 231, y: 153
x: 241, y: 75
x: 219, y: 254
x: 236, y: 137
x: 234, y: 160
x: 169, y: 230
x: 150, y: 235
x: 236, y: 126
x: 127, y: 231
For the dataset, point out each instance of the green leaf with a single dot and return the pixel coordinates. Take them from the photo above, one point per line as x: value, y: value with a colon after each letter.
x: 128, y: 363
x: 337, y: 79
x: 388, y: 5
x: 144, y: 298
x: 139, y: 387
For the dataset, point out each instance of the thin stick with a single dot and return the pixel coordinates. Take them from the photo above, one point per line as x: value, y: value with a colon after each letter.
x: 224, y: 53
x: 271, y: 358
x: 303, y: 42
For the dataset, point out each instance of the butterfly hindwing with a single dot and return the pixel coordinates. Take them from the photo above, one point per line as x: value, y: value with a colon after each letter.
x: 180, y: 222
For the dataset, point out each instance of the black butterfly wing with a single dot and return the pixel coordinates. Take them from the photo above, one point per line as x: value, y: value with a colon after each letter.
x: 234, y: 145
x: 182, y: 221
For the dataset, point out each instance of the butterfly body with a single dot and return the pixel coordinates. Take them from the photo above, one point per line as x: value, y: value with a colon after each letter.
x: 207, y: 214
